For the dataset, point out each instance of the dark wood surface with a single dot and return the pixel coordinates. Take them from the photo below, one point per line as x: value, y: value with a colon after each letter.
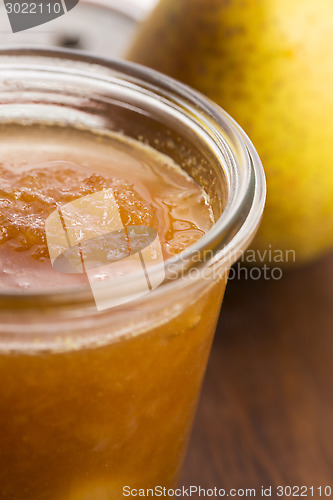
x: 266, y: 412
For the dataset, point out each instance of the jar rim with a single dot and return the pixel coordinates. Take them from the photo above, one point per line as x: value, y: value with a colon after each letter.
x: 231, y: 233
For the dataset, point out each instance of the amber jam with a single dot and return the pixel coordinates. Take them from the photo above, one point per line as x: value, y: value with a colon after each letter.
x: 42, y: 169
x: 99, y: 409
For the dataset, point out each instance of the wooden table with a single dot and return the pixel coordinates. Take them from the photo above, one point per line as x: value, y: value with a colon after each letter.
x: 266, y: 412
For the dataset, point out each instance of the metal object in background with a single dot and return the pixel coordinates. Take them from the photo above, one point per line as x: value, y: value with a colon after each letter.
x: 103, y: 27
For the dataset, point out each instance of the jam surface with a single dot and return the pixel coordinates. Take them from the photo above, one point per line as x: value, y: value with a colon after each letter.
x: 43, y: 169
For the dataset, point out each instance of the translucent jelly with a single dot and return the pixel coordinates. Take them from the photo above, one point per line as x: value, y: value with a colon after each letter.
x: 42, y: 169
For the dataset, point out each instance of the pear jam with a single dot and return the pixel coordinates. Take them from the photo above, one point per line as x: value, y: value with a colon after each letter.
x: 98, y: 401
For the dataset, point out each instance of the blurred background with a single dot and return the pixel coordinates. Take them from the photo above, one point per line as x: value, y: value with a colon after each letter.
x: 105, y: 27
x: 266, y: 413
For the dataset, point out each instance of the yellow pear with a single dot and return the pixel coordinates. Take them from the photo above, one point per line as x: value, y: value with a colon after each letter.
x: 269, y: 63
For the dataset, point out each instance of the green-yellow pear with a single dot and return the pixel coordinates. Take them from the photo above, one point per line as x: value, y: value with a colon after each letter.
x: 269, y: 63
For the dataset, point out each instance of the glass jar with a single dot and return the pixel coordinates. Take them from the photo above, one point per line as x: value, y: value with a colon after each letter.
x: 93, y: 402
